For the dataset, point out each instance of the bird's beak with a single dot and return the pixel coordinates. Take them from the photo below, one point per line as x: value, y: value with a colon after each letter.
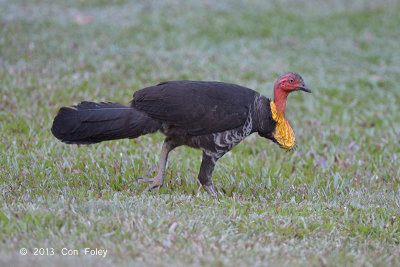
x: 304, y: 87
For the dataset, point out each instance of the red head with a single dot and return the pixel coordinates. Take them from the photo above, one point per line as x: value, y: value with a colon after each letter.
x: 286, y: 84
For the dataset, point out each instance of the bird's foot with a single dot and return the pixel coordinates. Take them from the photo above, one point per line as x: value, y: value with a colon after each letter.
x: 153, y: 186
x: 156, y: 182
x: 210, y: 190
x: 145, y: 179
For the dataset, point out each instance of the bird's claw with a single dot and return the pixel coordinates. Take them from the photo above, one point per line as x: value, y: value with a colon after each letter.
x: 153, y: 186
x: 210, y: 190
x: 145, y: 179
x: 156, y: 183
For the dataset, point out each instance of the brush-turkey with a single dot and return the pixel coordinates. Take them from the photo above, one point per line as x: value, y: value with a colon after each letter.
x: 211, y: 116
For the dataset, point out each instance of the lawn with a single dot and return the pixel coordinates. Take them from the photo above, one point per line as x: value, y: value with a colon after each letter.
x: 333, y: 201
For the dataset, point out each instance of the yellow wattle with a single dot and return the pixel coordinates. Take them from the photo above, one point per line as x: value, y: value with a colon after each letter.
x: 283, y: 134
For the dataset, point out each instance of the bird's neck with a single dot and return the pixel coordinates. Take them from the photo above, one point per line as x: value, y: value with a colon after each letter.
x: 280, y: 97
x: 283, y: 133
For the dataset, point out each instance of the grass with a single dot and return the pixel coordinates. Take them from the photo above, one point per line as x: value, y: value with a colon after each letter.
x: 333, y: 201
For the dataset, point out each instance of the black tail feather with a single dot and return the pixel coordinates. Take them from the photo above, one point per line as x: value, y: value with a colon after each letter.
x: 91, y: 122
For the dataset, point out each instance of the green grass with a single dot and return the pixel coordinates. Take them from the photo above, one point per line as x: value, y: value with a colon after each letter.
x: 334, y: 201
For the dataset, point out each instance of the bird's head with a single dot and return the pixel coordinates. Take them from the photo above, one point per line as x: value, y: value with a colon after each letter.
x: 286, y: 84
x: 290, y: 82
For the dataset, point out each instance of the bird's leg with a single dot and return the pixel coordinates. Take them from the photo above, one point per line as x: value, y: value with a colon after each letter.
x: 158, y: 180
x: 206, y: 170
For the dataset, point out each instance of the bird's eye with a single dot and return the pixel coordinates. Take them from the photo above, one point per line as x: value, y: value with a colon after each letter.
x: 291, y: 80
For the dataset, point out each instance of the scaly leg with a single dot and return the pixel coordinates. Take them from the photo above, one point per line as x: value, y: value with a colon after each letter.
x: 158, y: 180
x: 206, y: 170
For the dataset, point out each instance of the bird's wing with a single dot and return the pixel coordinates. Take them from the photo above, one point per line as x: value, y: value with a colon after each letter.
x: 198, y: 107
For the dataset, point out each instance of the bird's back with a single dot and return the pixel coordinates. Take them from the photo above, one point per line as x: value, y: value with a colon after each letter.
x: 200, y: 107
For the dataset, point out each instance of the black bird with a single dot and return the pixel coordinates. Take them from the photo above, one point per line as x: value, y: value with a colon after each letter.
x: 211, y: 116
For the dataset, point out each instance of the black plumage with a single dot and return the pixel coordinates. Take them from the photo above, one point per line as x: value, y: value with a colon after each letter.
x: 90, y: 122
x: 211, y: 116
x: 198, y: 107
